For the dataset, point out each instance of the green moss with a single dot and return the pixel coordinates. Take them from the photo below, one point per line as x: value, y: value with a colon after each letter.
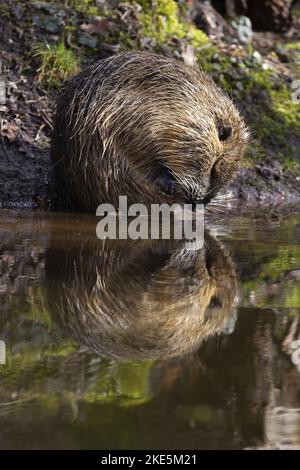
x: 57, y: 64
x: 283, y: 104
x: 5, y: 11
x: 293, y: 46
x: 87, y: 7
x: 161, y: 22
x: 220, y: 69
x: 277, y: 128
x: 290, y: 164
x: 282, y: 125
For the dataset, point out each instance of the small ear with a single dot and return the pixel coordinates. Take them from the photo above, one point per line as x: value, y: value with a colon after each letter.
x: 224, y: 132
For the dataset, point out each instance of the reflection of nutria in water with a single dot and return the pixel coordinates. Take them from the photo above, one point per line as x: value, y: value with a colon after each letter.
x: 142, y: 299
x: 145, y: 126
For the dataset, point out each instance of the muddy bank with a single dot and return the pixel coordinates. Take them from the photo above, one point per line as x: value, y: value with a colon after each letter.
x: 27, y: 181
x: 26, y: 177
x: 264, y: 185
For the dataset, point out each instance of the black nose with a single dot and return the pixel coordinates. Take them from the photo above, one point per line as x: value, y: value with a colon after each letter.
x: 224, y: 132
x: 194, y: 202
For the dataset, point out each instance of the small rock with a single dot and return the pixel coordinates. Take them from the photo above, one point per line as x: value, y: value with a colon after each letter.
x: 239, y: 86
x: 44, y: 6
x: 257, y: 57
x: 17, y: 12
x: 101, y: 3
x: 292, y: 275
x: 51, y: 25
x: 86, y: 39
x: 244, y: 29
x: 216, y: 67
x: 282, y: 54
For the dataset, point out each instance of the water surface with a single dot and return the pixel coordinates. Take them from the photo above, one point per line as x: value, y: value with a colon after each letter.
x: 132, y: 345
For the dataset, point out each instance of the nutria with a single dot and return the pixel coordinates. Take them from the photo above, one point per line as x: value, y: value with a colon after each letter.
x: 146, y: 126
x: 140, y: 299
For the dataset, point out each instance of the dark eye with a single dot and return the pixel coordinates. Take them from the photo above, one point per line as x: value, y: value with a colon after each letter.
x: 224, y: 132
x: 164, y: 178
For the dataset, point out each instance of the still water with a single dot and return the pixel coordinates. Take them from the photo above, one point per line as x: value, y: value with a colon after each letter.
x: 132, y: 345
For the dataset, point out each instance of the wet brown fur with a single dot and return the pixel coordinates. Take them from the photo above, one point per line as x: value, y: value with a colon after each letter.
x: 127, y: 123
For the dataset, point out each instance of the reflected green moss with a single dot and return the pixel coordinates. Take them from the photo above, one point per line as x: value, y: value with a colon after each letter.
x: 124, y: 382
x: 38, y: 355
x: 274, y: 253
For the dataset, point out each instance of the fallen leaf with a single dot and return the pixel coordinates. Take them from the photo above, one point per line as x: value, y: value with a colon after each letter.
x: 10, y: 130
x: 99, y: 26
